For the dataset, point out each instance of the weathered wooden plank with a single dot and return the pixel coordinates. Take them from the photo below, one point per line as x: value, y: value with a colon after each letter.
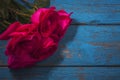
x: 61, y: 73
x: 84, y: 45
x: 91, y: 11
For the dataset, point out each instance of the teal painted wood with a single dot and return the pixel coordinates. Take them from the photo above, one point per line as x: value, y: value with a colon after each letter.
x: 83, y: 45
x: 91, y: 11
x: 91, y: 46
x: 61, y: 73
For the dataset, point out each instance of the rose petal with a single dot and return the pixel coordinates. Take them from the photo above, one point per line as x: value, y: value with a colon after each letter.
x: 65, y: 19
x: 36, y: 17
x: 10, y: 29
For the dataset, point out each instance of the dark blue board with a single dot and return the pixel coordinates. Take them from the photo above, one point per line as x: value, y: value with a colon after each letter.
x: 91, y: 11
x: 61, y: 73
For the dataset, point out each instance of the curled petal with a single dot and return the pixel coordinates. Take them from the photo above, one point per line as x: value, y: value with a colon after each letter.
x: 65, y: 19
x: 36, y: 17
x: 5, y: 35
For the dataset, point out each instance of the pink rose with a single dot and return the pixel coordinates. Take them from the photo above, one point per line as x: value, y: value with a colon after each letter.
x: 11, y: 28
x: 51, y: 22
x: 27, y: 46
x: 30, y: 43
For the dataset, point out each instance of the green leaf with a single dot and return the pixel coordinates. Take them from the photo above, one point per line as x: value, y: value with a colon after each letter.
x: 10, y: 11
x: 42, y: 3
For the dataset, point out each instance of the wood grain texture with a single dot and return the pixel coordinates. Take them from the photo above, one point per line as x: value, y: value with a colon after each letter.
x: 83, y: 45
x: 91, y: 11
x: 61, y: 73
x: 90, y: 50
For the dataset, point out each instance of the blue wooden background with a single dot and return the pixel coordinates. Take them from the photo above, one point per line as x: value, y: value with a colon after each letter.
x: 90, y: 50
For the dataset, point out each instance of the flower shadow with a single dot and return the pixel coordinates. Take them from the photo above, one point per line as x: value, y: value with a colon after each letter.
x: 43, y: 70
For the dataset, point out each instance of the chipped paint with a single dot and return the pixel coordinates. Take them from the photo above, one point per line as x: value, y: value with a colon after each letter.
x: 81, y: 68
x: 106, y: 45
x: 108, y: 58
x: 66, y: 51
x: 81, y: 76
x: 68, y: 55
x: 79, y: 55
